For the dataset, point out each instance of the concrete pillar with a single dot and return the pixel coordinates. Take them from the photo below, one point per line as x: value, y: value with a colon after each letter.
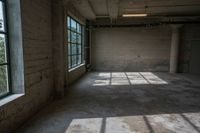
x: 90, y: 44
x: 174, y: 48
x: 58, y: 27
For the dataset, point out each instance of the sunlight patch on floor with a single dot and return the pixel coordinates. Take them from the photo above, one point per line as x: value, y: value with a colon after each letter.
x: 179, y: 123
x: 127, y: 78
x: 92, y: 125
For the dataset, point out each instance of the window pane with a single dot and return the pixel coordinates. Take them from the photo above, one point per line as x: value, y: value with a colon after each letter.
x: 79, y: 59
x: 73, y: 61
x: 79, y: 49
x: 2, y: 27
x: 68, y: 22
x: 2, y: 49
x: 68, y: 36
x: 74, y: 50
x: 69, y: 48
x: 79, y: 38
x: 78, y: 28
x: 73, y: 25
x: 3, y: 80
x: 73, y: 37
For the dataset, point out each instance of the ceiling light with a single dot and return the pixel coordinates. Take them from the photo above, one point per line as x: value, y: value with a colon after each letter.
x: 135, y: 15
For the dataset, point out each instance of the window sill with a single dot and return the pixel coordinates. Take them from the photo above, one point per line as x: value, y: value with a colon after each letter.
x: 9, y: 99
x: 70, y: 70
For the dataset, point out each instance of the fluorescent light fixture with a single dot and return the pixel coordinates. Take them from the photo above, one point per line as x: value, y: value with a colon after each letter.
x: 135, y: 15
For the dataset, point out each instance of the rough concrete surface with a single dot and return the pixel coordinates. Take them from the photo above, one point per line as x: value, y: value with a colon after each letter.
x: 124, y: 102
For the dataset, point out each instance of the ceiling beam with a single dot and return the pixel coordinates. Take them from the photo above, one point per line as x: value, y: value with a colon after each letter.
x: 113, y: 7
x: 168, y: 10
x: 91, y: 6
x: 85, y: 8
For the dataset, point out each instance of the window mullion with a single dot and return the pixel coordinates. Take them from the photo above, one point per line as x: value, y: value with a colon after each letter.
x: 70, y: 44
x: 76, y: 44
x: 2, y: 64
x: 81, y: 45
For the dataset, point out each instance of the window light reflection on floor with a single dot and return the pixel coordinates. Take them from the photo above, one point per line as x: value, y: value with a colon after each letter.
x: 127, y: 78
x: 175, y: 122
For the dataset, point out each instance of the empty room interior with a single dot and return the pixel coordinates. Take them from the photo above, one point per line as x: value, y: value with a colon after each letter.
x: 99, y: 66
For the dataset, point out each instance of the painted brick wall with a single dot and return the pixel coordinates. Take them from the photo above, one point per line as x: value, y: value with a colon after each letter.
x: 38, y: 63
x: 131, y: 49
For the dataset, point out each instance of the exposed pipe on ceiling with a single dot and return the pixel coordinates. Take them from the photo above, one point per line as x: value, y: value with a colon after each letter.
x: 145, y: 24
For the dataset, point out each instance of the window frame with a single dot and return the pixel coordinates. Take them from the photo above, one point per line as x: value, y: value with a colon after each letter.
x: 77, y: 32
x: 7, y: 49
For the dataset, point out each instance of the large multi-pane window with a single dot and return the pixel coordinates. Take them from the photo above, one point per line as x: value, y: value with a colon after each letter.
x: 75, y: 43
x: 4, y: 53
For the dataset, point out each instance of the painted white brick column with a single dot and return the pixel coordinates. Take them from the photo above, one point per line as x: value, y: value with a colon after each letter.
x: 175, y: 40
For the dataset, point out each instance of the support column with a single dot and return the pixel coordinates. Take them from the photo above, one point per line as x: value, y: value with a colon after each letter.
x: 58, y: 27
x: 175, y: 40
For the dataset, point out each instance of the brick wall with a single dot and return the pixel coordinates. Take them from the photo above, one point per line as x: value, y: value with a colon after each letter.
x: 38, y: 64
x: 131, y: 49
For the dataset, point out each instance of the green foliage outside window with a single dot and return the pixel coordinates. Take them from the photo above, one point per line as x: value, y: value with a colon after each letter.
x: 4, y: 88
x: 3, y: 68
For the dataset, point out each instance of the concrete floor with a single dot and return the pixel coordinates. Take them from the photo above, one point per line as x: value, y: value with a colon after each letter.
x: 124, y: 103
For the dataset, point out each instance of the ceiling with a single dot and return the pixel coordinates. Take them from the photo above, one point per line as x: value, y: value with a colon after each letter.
x: 113, y: 9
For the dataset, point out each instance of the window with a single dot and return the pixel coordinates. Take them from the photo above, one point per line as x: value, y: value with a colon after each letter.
x: 75, y: 43
x: 4, y: 52
x: 4, y: 58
